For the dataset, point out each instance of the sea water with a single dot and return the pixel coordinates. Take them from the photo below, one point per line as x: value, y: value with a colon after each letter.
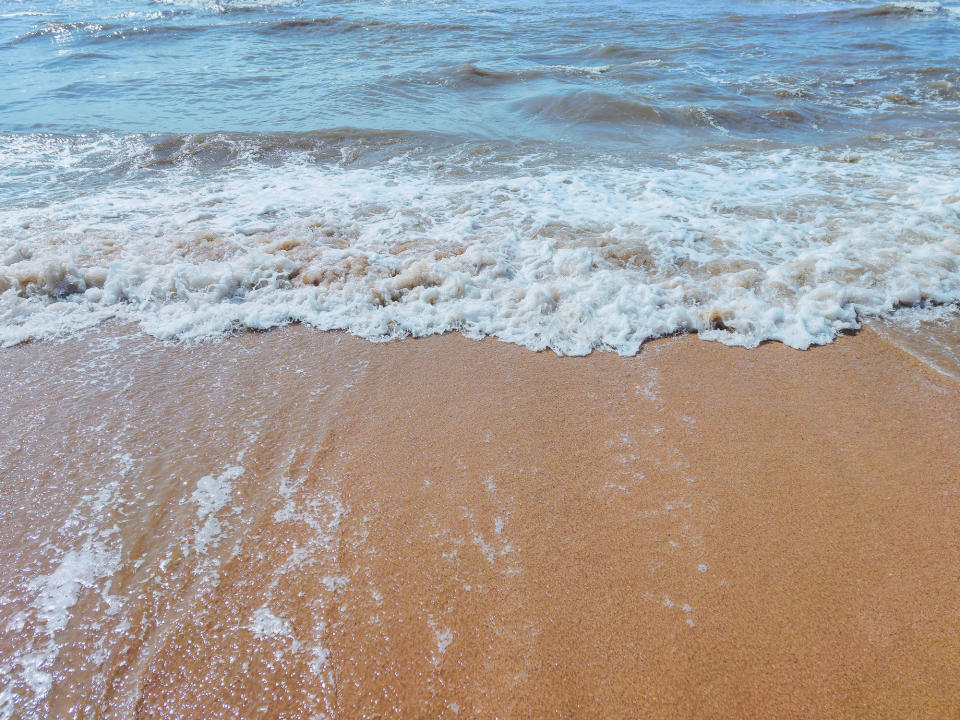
x: 559, y: 175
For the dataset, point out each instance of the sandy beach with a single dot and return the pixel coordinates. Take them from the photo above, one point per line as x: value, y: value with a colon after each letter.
x: 482, y: 359
x: 303, y: 524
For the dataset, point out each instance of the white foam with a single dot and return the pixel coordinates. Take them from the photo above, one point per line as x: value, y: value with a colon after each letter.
x: 54, y: 595
x: 57, y: 592
x: 739, y: 246
x: 222, y: 6
x: 579, y: 69
x: 265, y: 624
x: 319, y: 660
x: 211, y: 495
x: 443, y: 637
x: 918, y: 6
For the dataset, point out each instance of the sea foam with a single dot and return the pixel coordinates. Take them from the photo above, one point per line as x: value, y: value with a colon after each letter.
x: 738, y: 245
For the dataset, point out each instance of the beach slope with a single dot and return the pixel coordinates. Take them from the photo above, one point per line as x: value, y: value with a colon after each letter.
x: 304, y: 524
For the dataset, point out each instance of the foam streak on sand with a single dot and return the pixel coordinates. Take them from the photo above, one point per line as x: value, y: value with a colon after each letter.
x: 441, y: 526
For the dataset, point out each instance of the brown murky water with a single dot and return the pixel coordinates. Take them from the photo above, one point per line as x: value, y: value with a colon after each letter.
x: 300, y: 524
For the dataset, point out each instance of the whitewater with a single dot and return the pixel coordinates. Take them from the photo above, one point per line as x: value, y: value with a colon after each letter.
x: 560, y: 177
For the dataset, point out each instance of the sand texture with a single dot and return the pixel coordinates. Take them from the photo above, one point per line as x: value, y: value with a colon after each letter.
x: 301, y: 524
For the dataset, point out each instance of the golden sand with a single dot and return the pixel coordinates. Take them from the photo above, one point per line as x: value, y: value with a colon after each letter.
x: 302, y: 524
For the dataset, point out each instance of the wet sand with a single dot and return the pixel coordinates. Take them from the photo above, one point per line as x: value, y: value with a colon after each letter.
x: 302, y: 524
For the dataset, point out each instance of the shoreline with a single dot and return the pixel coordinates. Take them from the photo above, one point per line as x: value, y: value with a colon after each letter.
x: 297, y: 523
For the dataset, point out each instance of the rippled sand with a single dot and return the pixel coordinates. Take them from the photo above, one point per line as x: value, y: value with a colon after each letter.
x: 304, y: 524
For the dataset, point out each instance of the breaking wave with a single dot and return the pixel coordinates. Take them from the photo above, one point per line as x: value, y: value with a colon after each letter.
x: 740, y: 246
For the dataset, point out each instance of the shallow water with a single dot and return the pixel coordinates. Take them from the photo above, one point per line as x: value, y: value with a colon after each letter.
x: 297, y: 524
x: 557, y: 175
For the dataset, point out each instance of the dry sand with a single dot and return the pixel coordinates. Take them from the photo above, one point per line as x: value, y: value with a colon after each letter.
x: 303, y: 524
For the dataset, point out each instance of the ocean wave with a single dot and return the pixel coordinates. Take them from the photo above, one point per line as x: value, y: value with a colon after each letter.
x: 105, y: 157
x: 892, y: 10
x: 907, y: 7
x: 57, y: 28
x: 312, y: 24
x: 902, y: 8
x: 340, y: 24
x: 620, y: 52
x: 227, y: 6
x: 465, y: 76
x: 740, y: 246
x: 600, y: 108
x: 159, y: 26
x: 586, y: 106
x: 98, y: 32
x: 588, y: 70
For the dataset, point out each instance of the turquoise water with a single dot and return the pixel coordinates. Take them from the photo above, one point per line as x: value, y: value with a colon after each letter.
x: 559, y: 175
